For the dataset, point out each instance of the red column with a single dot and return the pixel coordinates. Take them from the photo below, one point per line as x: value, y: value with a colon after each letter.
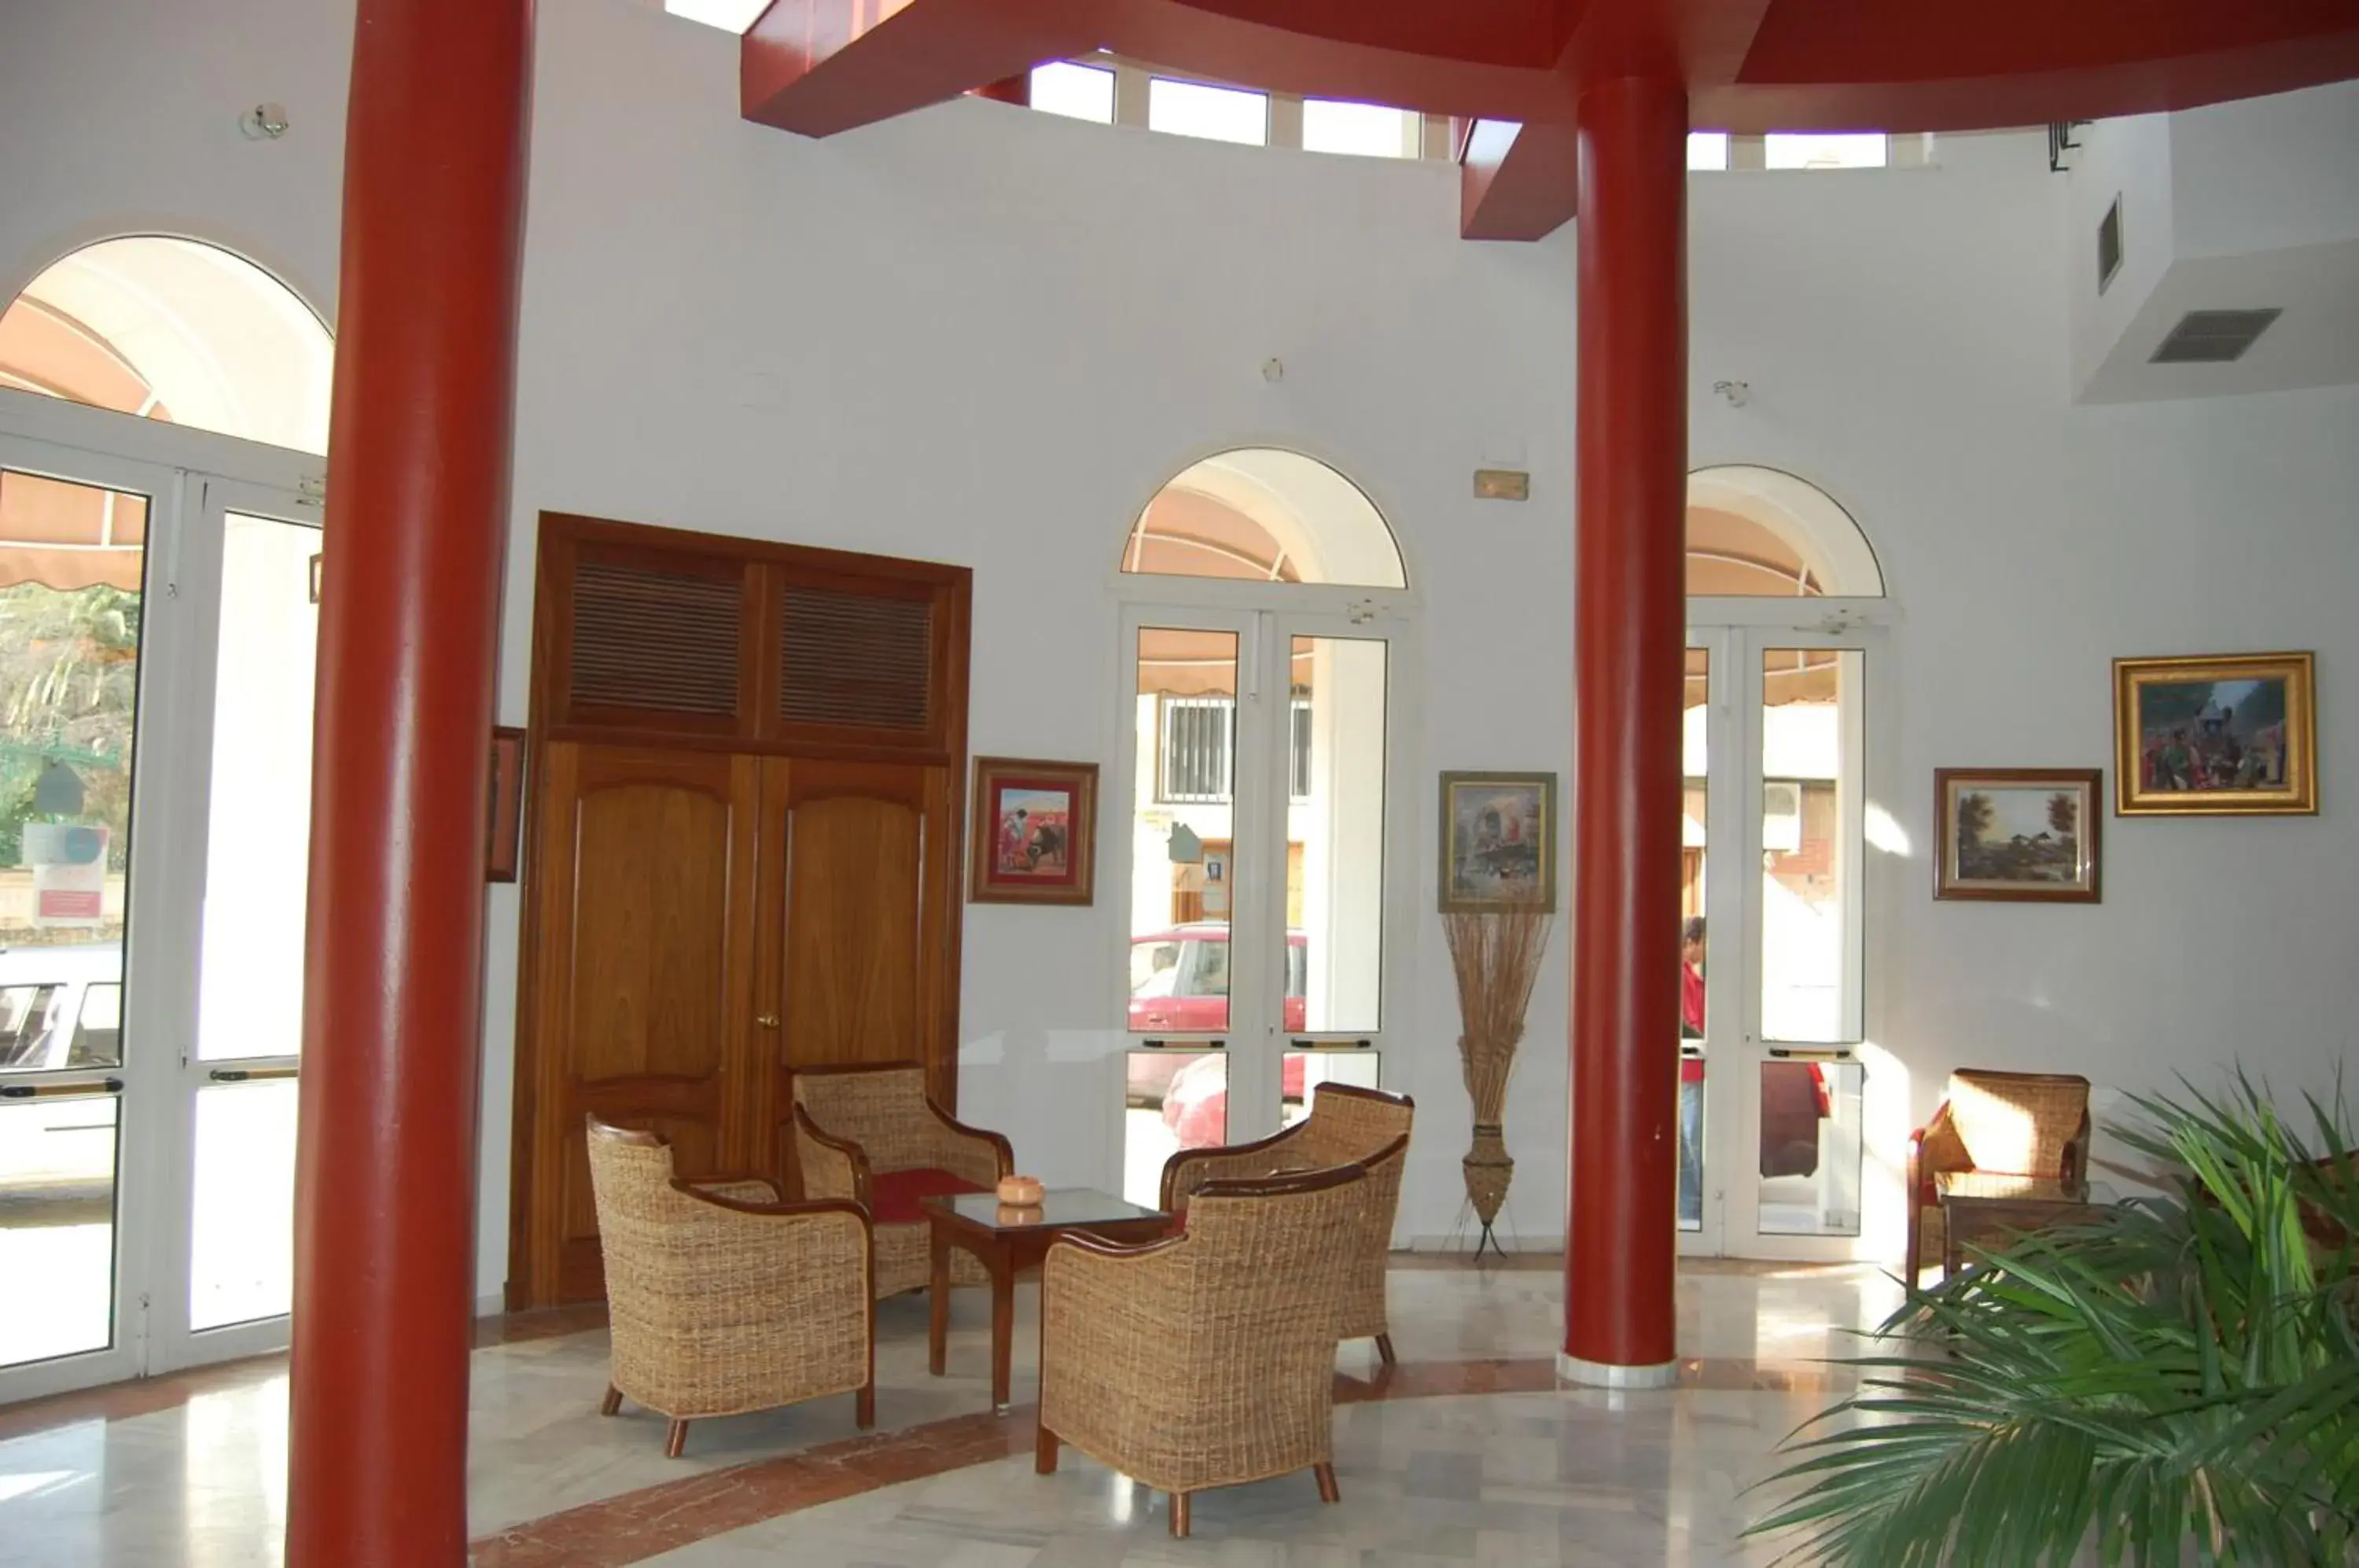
x: 1015, y: 90
x: 1629, y: 563
x: 417, y: 527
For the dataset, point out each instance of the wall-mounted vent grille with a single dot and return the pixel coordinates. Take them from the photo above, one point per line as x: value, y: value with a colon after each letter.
x: 854, y: 659
x: 651, y: 639
x: 2212, y: 337
x: 2109, y: 244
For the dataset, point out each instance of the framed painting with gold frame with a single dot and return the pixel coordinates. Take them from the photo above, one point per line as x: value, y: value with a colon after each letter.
x: 2215, y: 734
x: 1035, y: 831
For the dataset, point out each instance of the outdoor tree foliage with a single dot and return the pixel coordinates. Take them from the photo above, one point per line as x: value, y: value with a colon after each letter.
x: 69, y: 677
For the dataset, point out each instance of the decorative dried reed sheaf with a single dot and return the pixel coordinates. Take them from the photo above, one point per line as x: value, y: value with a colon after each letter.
x: 1496, y: 957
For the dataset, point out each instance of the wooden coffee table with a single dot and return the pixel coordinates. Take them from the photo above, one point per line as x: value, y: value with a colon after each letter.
x: 1979, y: 1207
x: 1009, y: 1241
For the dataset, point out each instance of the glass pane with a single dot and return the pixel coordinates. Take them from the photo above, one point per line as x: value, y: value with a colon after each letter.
x: 1693, y: 795
x: 56, y: 1227
x: 1183, y: 831
x: 1866, y: 150
x: 71, y: 560
x: 251, y: 988
x: 175, y: 330
x: 1810, y: 1147
x: 242, y: 1257
x: 1811, y: 822
x: 1260, y: 514
x: 1304, y: 1071
x: 1217, y: 113
x: 1369, y: 130
x: 1076, y: 92
x: 1171, y: 1100
x: 1335, y: 839
x: 1707, y: 149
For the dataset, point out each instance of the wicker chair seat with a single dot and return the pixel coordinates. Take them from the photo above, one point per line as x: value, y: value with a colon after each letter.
x: 871, y: 1136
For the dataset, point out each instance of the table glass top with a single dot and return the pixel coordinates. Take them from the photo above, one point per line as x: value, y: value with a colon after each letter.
x: 1059, y: 1206
x: 1985, y: 1186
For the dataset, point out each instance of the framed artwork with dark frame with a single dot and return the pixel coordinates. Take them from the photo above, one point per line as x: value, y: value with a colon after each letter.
x: 506, y: 815
x: 2215, y: 734
x: 1498, y: 841
x: 1035, y: 833
x: 2019, y: 834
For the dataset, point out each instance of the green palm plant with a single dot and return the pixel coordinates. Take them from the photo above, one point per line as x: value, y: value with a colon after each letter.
x: 2177, y: 1380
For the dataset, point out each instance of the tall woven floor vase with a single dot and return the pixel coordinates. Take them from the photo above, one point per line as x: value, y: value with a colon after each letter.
x: 1490, y: 1170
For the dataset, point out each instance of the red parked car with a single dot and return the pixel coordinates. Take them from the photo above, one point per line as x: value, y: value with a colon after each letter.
x: 1180, y: 983
x: 1179, y: 980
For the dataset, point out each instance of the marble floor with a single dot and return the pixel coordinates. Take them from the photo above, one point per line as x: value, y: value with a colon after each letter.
x: 1467, y: 1453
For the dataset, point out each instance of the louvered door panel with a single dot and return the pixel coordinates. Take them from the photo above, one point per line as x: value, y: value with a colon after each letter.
x: 864, y: 663
x: 648, y: 640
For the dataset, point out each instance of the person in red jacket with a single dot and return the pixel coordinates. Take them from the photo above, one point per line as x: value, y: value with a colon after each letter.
x: 1691, y: 1072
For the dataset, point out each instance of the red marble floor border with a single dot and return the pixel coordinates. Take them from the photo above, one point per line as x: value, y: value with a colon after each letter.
x: 633, y: 1527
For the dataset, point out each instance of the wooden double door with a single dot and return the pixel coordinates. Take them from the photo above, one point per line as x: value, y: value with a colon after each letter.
x: 705, y: 918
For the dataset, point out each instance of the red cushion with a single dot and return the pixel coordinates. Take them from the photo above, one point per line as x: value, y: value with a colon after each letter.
x: 892, y: 1194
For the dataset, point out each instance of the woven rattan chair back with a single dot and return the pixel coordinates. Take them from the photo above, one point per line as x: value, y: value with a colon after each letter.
x: 2017, y: 1123
x: 882, y: 1109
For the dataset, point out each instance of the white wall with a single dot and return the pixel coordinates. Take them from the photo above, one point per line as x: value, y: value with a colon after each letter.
x: 985, y: 336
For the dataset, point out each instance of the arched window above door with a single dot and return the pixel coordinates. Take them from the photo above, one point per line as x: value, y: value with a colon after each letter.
x: 1262, y: 515
x: 177, y: 330
x: 1757, y: 532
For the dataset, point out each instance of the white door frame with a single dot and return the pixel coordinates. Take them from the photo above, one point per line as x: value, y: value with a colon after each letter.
x: 1264, y: 618
x: 1736, y: 633
x: 190, y: 478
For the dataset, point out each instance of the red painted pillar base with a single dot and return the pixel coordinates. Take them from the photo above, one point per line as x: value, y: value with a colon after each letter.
x: 417, y: 537
x: 1629, y: 636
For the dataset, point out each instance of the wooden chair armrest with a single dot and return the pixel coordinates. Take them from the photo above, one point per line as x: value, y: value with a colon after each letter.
x: 2076, y: 1153
x: 739, y: 1184
x: 832, y: 1167
x: 1003, y: 1152
x: 804, y: 1210
x: 1191, y: 1168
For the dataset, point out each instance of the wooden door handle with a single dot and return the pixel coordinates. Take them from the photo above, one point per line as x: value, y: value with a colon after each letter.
x: 768, y: 1020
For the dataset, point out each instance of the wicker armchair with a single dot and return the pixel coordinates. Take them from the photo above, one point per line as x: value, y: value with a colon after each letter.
x: 1347, y: 1125
x: 870, y: 1135
x: 2012, y: 1124
x: 721, y: 1299
x: 1206, y: 1359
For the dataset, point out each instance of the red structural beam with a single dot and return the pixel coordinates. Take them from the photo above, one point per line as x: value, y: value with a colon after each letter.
x: 1516, y: 183
x: 417, y: 534
x: 823, y: 66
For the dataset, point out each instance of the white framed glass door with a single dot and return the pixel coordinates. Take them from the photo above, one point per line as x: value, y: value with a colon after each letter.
x: 1257, y: 798
x: 1773, y: 1101
x: 228, y: 1269
x: 156, y: 642
x: 85, y: 1087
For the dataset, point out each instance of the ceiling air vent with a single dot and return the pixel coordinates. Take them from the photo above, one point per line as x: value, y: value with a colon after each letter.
x: 2212, y: 337
x: 2109, y: 244
x: 856, y: 659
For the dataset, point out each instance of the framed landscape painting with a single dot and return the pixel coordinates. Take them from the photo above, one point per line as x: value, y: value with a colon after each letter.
x: 2231, y: 735
x: 1498, y: 841
x: 1035, y: 828
x: 2024, y: 834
